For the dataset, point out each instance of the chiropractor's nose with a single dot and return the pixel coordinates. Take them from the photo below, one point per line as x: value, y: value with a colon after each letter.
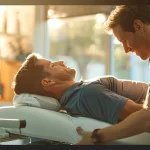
x: 126, y: 47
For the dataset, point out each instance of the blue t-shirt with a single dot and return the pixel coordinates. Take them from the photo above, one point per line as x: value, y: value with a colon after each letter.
x: 93, y: 100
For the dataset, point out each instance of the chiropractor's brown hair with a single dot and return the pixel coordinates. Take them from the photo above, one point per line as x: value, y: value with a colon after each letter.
x: 124, y: 15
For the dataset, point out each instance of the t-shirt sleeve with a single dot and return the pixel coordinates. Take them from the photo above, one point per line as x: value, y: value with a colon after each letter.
x: 101, y: 103
x: 133, y: 90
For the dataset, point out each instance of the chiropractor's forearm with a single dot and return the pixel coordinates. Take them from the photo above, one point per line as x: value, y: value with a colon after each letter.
x: 136, y: 123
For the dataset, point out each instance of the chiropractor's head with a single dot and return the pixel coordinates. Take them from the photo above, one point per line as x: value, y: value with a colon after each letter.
x: 41, y: 76
x: 131, y: 26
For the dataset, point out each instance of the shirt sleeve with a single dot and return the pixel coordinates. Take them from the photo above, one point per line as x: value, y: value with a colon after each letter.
x: 133, y: 90
x: 100, y: 103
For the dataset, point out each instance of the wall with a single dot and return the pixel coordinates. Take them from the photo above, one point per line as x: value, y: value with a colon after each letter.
x: 7, y: 72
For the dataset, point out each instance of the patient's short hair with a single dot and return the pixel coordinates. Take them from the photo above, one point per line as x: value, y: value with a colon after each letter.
x: 125, y: 15
x: 29, y: 76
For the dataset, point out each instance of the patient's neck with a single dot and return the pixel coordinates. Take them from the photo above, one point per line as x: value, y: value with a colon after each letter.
x: 61, y: 89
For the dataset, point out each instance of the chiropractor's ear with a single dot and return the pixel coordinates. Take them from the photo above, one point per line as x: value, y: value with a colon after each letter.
x: 47, y: 82
x: 138, y: 25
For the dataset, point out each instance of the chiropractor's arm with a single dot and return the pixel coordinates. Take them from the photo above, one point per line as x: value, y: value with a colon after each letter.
x: 136, y: 123
x: 132, y: 89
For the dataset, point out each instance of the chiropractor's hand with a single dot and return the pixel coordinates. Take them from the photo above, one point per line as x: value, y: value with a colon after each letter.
x: 86, y: 137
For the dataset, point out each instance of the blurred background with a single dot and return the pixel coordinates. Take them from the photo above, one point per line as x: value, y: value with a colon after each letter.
x: 73, y: 33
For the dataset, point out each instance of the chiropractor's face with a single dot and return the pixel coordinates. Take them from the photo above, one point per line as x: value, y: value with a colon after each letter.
x: 137, y: 42
x: 57, y: 70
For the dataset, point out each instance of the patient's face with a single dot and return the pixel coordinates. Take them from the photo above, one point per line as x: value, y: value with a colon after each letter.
x: 57, y: 70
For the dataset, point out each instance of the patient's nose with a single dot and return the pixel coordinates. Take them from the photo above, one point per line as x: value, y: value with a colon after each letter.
x: 62, y: 62
x: 58, y: 62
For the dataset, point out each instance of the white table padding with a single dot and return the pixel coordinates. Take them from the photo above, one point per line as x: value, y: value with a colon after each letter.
x: 51, y: 125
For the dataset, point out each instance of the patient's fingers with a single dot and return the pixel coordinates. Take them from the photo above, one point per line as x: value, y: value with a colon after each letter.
x: 80, y: 130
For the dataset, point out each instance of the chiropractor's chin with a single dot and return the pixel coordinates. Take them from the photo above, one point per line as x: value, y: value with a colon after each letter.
x: 143, y: 57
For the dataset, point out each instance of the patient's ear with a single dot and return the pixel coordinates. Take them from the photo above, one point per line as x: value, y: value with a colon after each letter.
x: 47, y: 82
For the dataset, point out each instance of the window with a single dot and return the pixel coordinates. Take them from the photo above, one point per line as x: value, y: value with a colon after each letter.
x: 82, y: 43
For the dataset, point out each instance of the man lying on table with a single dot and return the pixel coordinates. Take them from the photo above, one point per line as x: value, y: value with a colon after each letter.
x: 105, y: 98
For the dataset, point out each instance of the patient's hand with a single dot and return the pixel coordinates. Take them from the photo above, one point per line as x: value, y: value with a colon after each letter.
x: 86, y: 137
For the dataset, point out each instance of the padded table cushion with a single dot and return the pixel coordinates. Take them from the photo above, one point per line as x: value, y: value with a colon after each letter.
x: 52, y: 125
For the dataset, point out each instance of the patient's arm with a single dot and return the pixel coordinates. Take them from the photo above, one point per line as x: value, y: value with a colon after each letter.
x: 130, y: 89
x: 129, y: 108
